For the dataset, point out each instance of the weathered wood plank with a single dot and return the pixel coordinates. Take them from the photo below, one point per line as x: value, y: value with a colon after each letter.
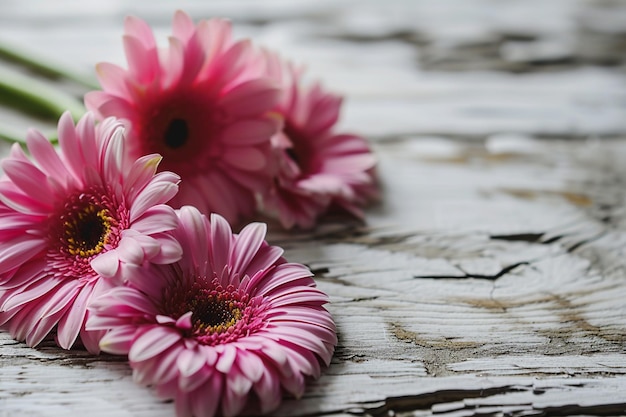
x: 490, y: 278
x: 464, y: 310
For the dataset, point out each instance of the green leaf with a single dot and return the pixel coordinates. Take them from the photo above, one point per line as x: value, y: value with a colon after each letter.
x: 45, y: 67
x: 36, y: 97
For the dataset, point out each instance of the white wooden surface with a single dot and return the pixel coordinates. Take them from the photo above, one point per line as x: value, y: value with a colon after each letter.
x: 491, y: 278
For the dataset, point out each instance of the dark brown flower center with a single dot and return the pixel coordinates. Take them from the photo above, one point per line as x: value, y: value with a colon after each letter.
x: 86, y: 230
x: 299, y: 152
x: 176, y: 133
x: 218, y: 315
x: 291, y: 153
x: 88, y: 223
x: 214, y: 314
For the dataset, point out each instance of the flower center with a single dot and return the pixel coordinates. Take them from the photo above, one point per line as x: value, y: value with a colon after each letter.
x: 214, y: 314
x: 176, y: 133
x: 300, y: 152
x: 180, y: 126
x: 87, y: 224
x: 86, y: 230
x: 218, y: 314
x: 291, y: 153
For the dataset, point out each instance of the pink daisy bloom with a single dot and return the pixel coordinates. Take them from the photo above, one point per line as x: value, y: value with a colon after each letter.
x: 232, y: 323
x: 318, y: 169
x: 71, y: 221
x: 203, y: 103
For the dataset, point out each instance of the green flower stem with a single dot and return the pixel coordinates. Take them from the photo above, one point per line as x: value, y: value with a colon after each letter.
x: 36, y: 97
x: 45, y: 68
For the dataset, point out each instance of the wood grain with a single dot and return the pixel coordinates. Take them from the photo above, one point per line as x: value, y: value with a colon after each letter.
x: 490, y: 279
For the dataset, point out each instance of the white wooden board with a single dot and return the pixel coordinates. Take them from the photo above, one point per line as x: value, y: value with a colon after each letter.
x: 491, y: 277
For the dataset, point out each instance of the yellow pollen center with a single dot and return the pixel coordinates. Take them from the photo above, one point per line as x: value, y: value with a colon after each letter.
x: 87, y: 231
x: 214, y: 314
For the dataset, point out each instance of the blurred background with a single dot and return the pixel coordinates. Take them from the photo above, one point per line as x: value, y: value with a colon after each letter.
x: 463, y: 69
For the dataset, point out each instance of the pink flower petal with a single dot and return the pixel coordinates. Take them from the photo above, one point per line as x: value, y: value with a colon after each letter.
x: 140, y: 174
x: 220, y: 234
x: 72, y: 322
x: 139, y: 30
x: 61, y: 298
x: 142, y: 59
x: 16, y: 152
x: 27, y: 177
x: 170, y: 250
x: 112, y: 157
x: 28, y: 273
x: 153, y: 342
x: 156, y: 219
x: 250, y: 131
x: 100, y: 322
x: 70, y: 145
x: 268, y: 391
x: 14, y: 199
x: 119, y: 340
x: 251, y: 97
x: 250, y: 365
x: 284, y: 274
x: 193, y: 59
x: 289, y: 297
x: 106, y: 264
x: 305, y: 315
x: 31, y: 292
x: 209, y: 354
x: 265, y: 258
x: 39, y: 330
x: 189, y: 362
x: 233, y: 197
x: 161, y: 368
x: 216, y: 35
x: 18, y: 251
x: 203, y: 405
x: 112, y: 78
x: 184, y: 322
x: 193, y: 223
x: 237, y: 382
x: 227, y: 64
x: 22, y: 322
x: 324, y: 113
x: 131, y: 298
x: 156, y: 192
x: 150, y: 245
x: 182, y: 26
x: 172, y: 62
x: 130, y: 251
x: 248, y: 159
x: 194, y: 381
x: 247, y: 245
x: 227, y: 359
x: 44, y: 153
x: 104, y: 104
x: 182, y: 403
x: 232, y: 401
x: 91, y: 340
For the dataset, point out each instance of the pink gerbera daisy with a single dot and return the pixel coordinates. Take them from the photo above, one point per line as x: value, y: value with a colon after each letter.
x: 70, y: 223
x: 318, y: 168
x: 232, y: 323
x: 203, y: 103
